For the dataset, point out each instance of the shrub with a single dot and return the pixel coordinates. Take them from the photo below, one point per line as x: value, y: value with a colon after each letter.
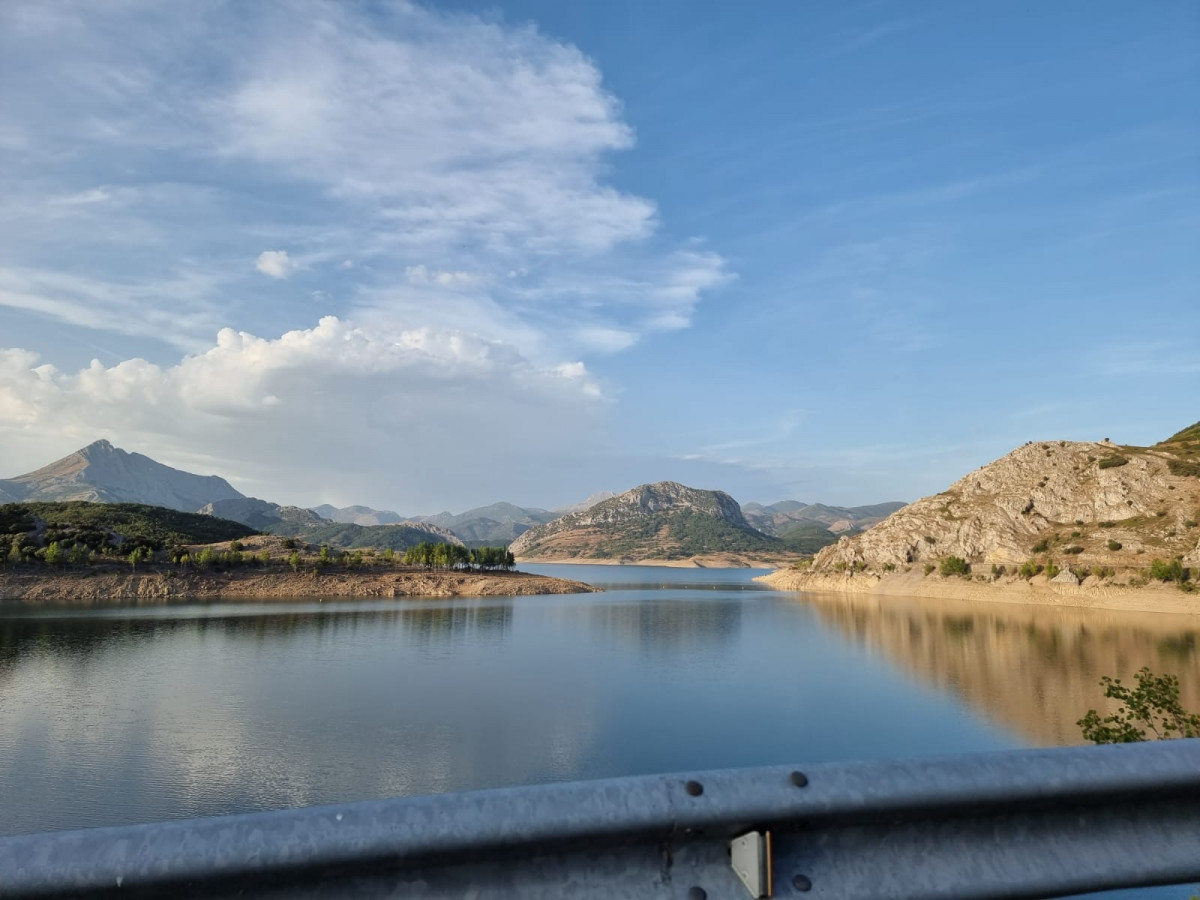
x: 1184, y: 468
x: 1041, y: 546
x: 889, y: 567
x: 1154, y: 705
x: 930, y: 539
x: 1190, y: 523
x: 841, y: 566
x: 997, y: 571
x: 1028, y: 569
x: 1115, y: 546
x: 1052, y: 570
x: 1161, y: 570
x: 1108, y: 524
x: 1111, y: 462
x: 929, y: 567
x: 235, y: 546
x: 954, y: 565
x: 1074, y: 551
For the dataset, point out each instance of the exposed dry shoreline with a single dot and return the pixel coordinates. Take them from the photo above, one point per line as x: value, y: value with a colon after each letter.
x: 100, y: 588
x: 1151, y: 598
x: 706, y: 561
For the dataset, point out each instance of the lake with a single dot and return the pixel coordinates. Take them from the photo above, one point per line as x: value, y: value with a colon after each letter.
x: 128, y: 715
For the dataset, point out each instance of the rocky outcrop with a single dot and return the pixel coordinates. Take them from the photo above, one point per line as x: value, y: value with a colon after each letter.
x: 663, y: 520
x: 102, y: 473
x: 1080, y: 504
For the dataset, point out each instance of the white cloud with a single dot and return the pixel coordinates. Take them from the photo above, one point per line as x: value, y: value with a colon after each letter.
x: 402, y: 415
x: 444, y: 178
x: 275, y: 263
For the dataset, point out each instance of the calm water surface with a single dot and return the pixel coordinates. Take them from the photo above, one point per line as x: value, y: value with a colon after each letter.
x: 131, y: 715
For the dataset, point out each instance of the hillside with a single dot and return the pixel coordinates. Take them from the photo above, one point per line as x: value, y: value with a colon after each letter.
x: 779, y: 518
x: 262, y: 515
x: 342, y: 535
x: 109, y: 526
x: 102, y: 473
x: 661, y: 521
x: 1104, y: 512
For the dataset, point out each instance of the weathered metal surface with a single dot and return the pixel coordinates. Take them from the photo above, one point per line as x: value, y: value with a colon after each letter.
x: 1009, y: 825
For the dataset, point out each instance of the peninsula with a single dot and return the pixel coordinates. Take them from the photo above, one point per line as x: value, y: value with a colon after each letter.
x: 65, y: 554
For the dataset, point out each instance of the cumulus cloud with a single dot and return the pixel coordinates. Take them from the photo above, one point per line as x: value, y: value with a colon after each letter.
x: 332, y: 410
x: 275, y: 263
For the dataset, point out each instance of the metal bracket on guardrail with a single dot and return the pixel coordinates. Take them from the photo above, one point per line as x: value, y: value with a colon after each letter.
x: 1021, y: 824
x: 750, y: 856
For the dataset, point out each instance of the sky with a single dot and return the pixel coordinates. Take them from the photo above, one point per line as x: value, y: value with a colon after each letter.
x: 427, y: 257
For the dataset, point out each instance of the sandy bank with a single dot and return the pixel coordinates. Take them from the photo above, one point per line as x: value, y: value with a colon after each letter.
x: 99, y: 588
x: 1152, y: 598
x: 708, y: 561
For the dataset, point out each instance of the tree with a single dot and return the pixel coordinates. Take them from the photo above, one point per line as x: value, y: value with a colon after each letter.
x: 136, y: 556
x: 1153, y: 705
x: 14, y: 555
x: 80, y: 555
x: 294, y: 561
x: 54, y: 554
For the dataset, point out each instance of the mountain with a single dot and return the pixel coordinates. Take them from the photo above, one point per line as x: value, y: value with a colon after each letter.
x: 1092, y: 505
x: 665, y: 520
x: 357, y: 515
x: 499, y: 523
x: 102, y: 473
x: 779, y: 518
x: 591, y: 501
x: 262, y: 515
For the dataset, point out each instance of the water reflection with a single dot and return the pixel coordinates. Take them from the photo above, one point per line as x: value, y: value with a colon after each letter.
x: 670, y: 626
x: 1034, y: 669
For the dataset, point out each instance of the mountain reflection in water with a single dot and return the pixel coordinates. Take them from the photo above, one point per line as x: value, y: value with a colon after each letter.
x: 1034, y: 669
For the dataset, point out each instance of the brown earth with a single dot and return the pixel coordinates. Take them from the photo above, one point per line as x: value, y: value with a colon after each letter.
x: 96, y: 588
x: 1093, y: 593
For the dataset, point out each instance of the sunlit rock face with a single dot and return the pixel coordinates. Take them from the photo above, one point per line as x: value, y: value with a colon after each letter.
x: 1060, y: 491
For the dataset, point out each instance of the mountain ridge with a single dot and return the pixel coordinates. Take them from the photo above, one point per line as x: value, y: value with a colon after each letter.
x: 663, y: 520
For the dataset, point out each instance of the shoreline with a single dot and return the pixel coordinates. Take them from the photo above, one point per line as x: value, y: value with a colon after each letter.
x: 706, y: 561
x: 1036, y: 592
x: 92, y: 588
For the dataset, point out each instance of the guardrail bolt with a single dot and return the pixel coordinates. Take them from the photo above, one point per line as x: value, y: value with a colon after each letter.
x: 697, y: 893
x: 801, y: 883
x: 799, y: 779
x: 694, y: 788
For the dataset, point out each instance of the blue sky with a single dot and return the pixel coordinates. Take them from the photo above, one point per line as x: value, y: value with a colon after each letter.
x: 427, y: 257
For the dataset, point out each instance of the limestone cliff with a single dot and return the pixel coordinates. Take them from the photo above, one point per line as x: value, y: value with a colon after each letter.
x: 1080, y: 504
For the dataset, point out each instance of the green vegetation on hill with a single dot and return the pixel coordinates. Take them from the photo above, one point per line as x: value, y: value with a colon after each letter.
x: 343, y: 535
x: 1191, y: 433
x: 109, y: 525
x: 809, y: 537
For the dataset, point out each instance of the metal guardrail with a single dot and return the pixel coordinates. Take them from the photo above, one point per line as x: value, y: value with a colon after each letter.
x: 1024, y: 824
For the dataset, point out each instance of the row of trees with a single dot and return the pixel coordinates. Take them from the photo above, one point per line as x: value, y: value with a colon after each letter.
x: 455, y: 556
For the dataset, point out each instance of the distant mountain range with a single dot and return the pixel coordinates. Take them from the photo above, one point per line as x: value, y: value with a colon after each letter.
x: 664, y: 520
x: 102, y: 473
x: 783, y: 517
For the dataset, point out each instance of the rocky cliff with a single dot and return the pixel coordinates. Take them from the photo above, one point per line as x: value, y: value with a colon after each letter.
x: 1084, y: 505
x: 664, y: 520
x: 102, y: 473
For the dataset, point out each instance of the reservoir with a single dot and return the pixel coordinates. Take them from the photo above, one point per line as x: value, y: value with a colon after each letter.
x: 119, y: 716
